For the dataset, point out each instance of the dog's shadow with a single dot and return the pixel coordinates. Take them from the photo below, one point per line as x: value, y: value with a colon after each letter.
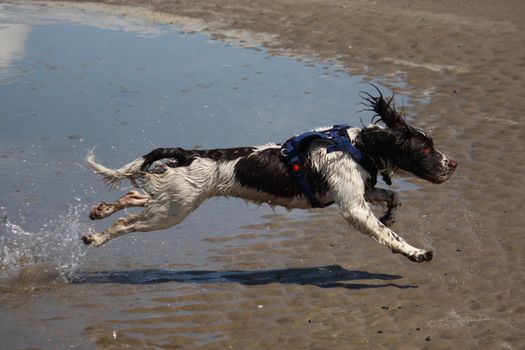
x: 330, y: 276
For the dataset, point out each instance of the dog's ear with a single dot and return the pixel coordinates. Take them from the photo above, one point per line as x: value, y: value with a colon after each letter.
x: 381, y: 141
x: 384, y: 109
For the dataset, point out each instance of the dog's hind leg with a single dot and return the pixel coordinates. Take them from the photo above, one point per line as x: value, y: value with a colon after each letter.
x: 131, y: 199
x: 148, y: 220
x: 381, y: 195
x: 119, y: 228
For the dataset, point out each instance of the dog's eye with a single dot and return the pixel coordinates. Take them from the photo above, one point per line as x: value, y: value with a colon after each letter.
x: 425, y: 151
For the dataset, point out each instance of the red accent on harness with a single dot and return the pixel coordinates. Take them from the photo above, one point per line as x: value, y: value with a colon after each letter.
x: 296, y: 167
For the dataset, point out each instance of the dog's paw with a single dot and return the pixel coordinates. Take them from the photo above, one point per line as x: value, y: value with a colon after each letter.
x: 387, y: 220
x: 87, y: 239
x: 94, y: 239
x: 101, y: 211
x: 425, y: 255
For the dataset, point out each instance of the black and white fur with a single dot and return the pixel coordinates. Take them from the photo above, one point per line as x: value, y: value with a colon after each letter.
x: 176, y: 187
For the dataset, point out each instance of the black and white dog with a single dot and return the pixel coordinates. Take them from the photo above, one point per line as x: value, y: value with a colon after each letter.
x: 176, y: 187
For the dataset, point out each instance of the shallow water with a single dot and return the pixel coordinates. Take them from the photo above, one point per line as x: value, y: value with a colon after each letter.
x: 70, y: 80
x: 74, y: 86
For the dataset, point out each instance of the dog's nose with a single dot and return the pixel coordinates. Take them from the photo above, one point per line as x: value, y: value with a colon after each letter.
x: 452, y: 164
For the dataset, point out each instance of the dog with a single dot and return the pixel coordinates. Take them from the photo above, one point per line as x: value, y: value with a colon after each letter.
x: 176, y: 181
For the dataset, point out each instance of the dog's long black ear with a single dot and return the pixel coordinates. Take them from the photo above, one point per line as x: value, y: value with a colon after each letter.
x: 384, y: 109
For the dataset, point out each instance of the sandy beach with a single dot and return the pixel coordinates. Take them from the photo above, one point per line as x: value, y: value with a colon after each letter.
x: 463, y: 67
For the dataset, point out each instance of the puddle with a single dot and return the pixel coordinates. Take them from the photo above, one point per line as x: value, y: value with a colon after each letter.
x: 71, y: 79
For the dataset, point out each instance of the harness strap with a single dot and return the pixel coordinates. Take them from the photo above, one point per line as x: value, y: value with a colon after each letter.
x: 339, y: 141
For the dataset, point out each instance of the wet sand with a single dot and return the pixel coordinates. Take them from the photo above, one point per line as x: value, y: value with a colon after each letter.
x: 464, y: 65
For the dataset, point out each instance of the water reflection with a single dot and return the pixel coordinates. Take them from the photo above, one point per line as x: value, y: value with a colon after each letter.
x: 12, y: 43
x: 13, y: 38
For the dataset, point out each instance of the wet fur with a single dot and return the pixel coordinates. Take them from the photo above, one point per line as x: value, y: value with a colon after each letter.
x: 176, y: 181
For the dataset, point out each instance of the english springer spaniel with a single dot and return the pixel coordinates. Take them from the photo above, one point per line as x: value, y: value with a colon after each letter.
x: 176, y: 181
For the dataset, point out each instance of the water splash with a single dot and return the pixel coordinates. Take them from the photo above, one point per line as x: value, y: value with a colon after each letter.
x: 52, y: 253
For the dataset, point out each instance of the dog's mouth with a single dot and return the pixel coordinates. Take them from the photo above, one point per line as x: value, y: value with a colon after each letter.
x: 441, y: 179
x: 443, y: 173
x: 444, y: 176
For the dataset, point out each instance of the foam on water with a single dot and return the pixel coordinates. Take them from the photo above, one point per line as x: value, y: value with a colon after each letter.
x: 54, y: 252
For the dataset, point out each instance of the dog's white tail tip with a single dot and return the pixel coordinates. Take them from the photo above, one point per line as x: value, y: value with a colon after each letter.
x: 113, y: 177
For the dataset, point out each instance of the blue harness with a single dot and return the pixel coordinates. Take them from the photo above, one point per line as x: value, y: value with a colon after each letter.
x: 339, y: 141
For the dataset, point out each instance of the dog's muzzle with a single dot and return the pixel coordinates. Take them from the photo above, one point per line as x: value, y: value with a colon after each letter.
x: 449, y: 166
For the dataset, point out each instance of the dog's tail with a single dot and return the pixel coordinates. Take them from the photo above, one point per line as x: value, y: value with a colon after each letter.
x: 113, y: 177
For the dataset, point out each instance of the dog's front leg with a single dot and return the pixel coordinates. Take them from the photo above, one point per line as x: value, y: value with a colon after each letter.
x: 381, y: 195
x: 362, y: 218
x: 347, y: 184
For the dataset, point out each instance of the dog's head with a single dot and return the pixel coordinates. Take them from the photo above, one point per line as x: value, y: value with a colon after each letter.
x: 404, y: 146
